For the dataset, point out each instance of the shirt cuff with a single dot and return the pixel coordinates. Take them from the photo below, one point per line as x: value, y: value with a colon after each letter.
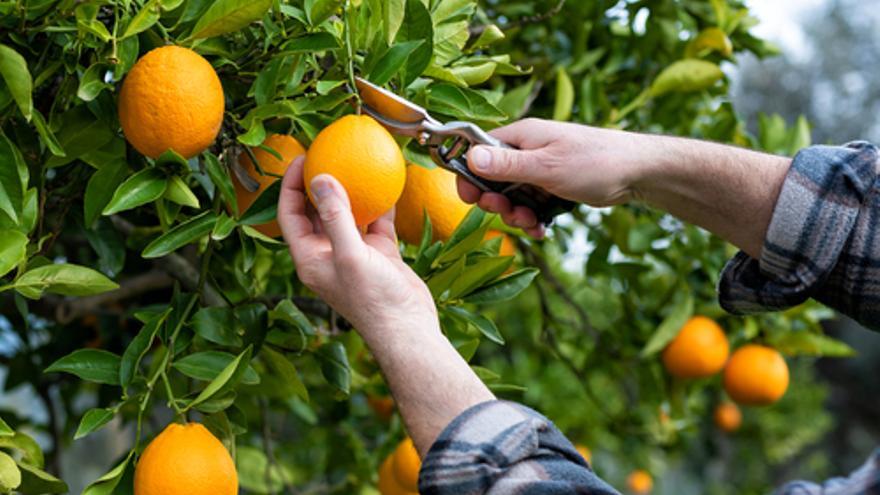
x: 484, y: 443
x: 814, y: 216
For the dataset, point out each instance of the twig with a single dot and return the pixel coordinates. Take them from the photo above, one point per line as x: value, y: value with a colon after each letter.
x: 71, y: 309
x: 522, y: 21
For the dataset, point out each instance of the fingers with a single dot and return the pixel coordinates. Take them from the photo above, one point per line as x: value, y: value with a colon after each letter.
x: 527, y: 133
x: 384, y: 226
x: 468, y: 192
x: 508, y: 165
x: 292, y: 205
x: 334, y: 210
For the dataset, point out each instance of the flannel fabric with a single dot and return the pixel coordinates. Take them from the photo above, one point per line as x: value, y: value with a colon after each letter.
x: 823, y: 241
x: 864, y: 481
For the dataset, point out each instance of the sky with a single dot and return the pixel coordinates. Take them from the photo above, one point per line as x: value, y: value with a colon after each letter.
x: 780, y: 22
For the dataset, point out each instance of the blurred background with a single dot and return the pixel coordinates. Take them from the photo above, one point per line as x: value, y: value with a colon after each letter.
x: 826, y: 72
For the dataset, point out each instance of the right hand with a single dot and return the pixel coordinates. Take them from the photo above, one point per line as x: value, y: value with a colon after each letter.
x: 575, y: 162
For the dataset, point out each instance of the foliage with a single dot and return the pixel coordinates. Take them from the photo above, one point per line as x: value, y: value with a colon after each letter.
x: 209, y: 320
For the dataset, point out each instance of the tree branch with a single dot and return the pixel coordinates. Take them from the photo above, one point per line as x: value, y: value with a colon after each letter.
x: 69, y: 310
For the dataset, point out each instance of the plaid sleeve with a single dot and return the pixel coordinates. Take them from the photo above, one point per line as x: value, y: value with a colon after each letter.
x: 864, y: 481
x: 823, y: 241
x: 500, y: 447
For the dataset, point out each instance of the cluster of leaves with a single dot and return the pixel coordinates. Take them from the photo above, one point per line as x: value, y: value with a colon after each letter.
x: 209, y: 321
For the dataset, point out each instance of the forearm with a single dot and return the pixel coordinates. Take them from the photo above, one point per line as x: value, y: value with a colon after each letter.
x: 729, y: 191
x: 430, y: 381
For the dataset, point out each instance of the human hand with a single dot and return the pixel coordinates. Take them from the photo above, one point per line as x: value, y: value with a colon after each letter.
x: 362, y: 276
x: 575, y: 162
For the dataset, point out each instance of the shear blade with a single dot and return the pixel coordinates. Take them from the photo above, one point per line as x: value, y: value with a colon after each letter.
x: 389, y: 105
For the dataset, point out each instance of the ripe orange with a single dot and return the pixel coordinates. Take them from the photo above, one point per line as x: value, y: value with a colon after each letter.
x: 728, y: 417
x: 171, y: 99
x: 639, y: 482
x: 507, y: 246
x: 584, y: 452
x: 756, y: 375
x: 286, y: 146
x: 388, y: 484
x: 432, y: 191
x: 699, y: 350
x: 185, y: 460
x: 365, y: 159
x: 406, y: 465
x: 382, y: 405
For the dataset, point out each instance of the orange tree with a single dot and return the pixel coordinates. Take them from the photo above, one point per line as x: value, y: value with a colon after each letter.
x: 136, y: 287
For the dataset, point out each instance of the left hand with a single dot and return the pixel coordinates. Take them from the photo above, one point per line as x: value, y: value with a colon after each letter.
x: 362, y: 276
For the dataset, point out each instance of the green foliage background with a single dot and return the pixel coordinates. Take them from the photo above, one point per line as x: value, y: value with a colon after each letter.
x: 209, y: 320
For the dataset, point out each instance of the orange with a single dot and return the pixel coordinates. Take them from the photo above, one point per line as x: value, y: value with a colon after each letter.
x: 388, y: 484
x: 728, y: 417
x: 382, y: 405
x: 507, y: 246
x: 584, y: 452
x: 432, y: 191
x: 365, y: 159
x: 171, y: 99
x: 699, y: 350
x: 406, y: 465
x: 756, y: 375
x: 286, y: 146
x: 639, y: 482
x: 185, y: 460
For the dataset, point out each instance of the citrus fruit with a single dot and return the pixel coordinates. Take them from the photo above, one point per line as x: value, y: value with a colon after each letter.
x: 639, y: 482
x: 388, y: 484
x: 727, y: 417
x: 756, y: 375
x: 171, y: 99
x: 432, y: 191
x: 185, y: 460
x: 382, y: 405
x: 507, y: 247
x: 359, y: 153
x: 286, y: 146
x: 406, y: 465
x: 584, y: 452
x: 700, y: 349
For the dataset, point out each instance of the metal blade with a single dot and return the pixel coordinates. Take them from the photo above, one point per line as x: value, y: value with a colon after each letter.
x: 389, y: 105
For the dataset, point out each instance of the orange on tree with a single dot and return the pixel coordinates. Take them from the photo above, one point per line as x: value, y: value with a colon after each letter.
x: 388, y: 484
x: 639, y: 482
x: 171, y: 99
x: 756, y: 375
x: 430, y: 191
x: 727, y: 417
x: 382, y: 405
x: 699, y: 350
x: 406, y: 465
x: 286, y: 146
x: 363, y: 156
x: 185, y: 460
x: 584, y: 452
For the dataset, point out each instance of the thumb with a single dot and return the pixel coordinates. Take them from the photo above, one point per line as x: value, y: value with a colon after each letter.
x: 505, y: 164
x: 333, y: 208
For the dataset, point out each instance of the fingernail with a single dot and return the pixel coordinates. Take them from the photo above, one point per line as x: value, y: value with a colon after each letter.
x: 481, y: 159
x: 321, y: 189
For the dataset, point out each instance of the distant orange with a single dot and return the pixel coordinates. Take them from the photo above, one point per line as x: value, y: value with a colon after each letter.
x: 756, y: 375
x: 406, y: 465
x: 727, y: 417
x: 699, y: 350
x: 584, y: 452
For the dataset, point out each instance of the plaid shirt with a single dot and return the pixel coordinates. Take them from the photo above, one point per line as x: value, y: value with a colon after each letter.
x: 820, y: 244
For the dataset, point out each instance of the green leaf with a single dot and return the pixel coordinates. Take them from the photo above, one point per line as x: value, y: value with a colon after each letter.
x: 13, y: 250
x: 92, y: 421
x: 686, y: 76
x: 92, y: 82
x: 81, y: 134
x: 334, y: 365
x: 486, y: 326
x: 217, y: 325
x: 100, y: 189
x: 462, y: 103
x: 94, y: 365
x: 5, y: 429
x: 10, y: 475
x: 35, y: 480
x: 286, y: 372
x: 144, y: 187
x: 181, y: 235
x: 27, y: 446
x: 265, y: 208
x: 138, y: 347
x: 144, y: 19
x: 319, y: 11
x: 64, y: 279
x: 207, y: 365
x: 392, y: 61
x: 417, y: 25
x: 105, y: 485
x: 227, y: 375
x: 671, y: 325
x: 441, y: 281
x: 471, y: 223
x: 491, y: 34
x: 564, y: 96
x: 226, y: 16
x: 505, y: 288
x: 46, y: 134
x: 288, y: 312
x: 13, y: 178
x: 219, y: 175
x: 180, y: 193
x: 224, y: 226
x: 393, y: 13
x: 477, y: 274
x: 310, y: 43
x: 14, y: 72
x: 810, y: 344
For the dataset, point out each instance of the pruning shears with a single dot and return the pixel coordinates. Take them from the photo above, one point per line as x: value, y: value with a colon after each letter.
x: 448, y: 144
